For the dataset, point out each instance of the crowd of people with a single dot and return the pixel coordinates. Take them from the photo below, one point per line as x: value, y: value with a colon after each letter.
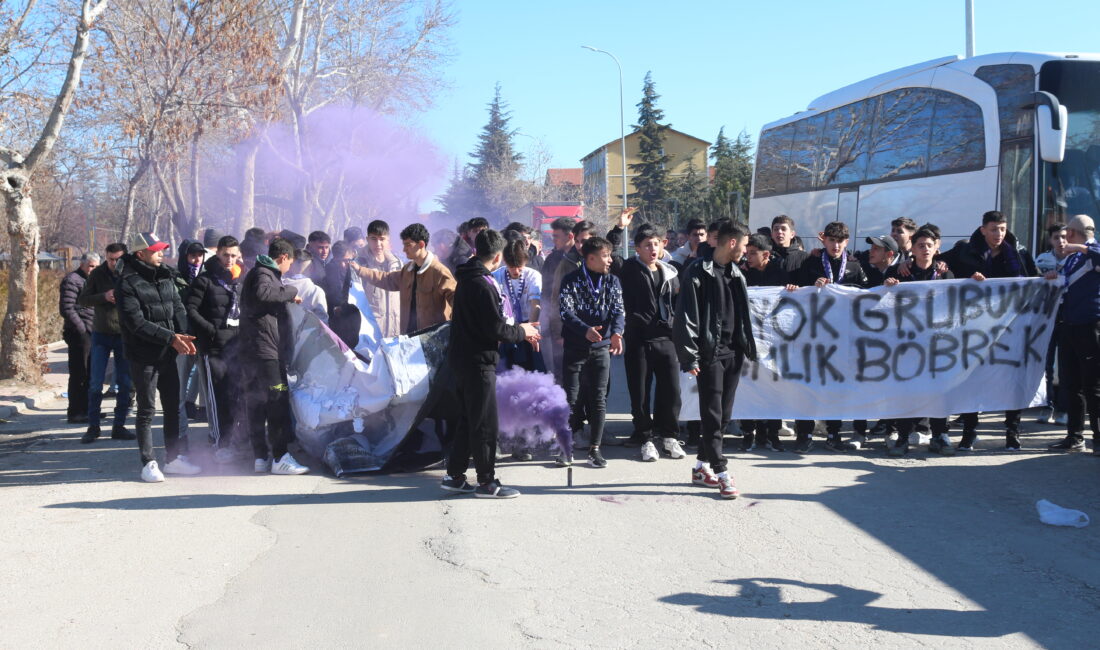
x: 216, y: 322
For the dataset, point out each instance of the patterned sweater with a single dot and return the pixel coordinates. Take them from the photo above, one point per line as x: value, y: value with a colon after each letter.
x: 590, y: 300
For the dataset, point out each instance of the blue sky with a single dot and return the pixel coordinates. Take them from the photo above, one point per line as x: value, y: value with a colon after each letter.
x: 735, y: 64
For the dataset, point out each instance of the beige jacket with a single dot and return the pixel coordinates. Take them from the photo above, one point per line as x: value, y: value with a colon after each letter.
x: 435, y: 291
x: 385, y: 304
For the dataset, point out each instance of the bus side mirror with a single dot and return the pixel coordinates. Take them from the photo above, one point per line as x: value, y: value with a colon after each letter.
x: 1051, y: 121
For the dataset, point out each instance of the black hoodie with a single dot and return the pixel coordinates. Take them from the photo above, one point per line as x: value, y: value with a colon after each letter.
x: 149, y: 309
x: 477, y: 325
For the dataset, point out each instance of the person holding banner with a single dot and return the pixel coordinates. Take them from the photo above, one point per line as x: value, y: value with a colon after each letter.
x: 264, y: 302
x: 213, y: 313
x: 762, y: 270
x: 1079, y: 347
x: 713, y: 334
x: 924, y: 246
x: 835, y: 265
x: 991, y: 252
x: 425, y: 284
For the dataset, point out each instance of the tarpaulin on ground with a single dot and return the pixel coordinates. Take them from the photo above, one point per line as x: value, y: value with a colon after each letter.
x: 335, y: 395
x: 912, y: 350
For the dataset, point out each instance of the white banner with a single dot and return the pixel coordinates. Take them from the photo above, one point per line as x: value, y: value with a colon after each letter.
x: 912, y: 350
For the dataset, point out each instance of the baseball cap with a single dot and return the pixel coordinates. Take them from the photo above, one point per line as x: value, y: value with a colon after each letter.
x: 885, y: 241
x: 146, y: 240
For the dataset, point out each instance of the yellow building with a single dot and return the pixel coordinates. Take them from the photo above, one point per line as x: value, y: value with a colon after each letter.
x: 603, y: 167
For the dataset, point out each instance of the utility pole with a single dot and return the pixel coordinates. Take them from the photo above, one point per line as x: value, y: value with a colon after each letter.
x: 969, y: 28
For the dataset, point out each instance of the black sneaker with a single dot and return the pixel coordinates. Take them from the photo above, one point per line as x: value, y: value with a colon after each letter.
x: 1012, y: 441
x: 522, y: 456
x: 494, y: 490
x: 78, y: 419
x: 748, y: 442
x: 636, y: 439
x: 456, y: 484
x: 773, y: 444
x: 563, y: 460
x: 119, y: 432
x: 1069, y: 443
x: 91, y: 435
x: 595, y: 458
x: 966, y: 443
x: 881, y: 428
x: 836, y: 443
x: 803, y: 445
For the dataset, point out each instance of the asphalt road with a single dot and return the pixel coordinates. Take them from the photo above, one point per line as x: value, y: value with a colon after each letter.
x: 826, y: 550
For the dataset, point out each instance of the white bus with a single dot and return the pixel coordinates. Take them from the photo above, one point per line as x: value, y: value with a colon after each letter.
x: 941, y: 142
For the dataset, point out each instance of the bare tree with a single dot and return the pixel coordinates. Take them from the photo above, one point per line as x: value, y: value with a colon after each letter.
x: 19, y: 357
x: 175, y: 73
x: 378, y: 54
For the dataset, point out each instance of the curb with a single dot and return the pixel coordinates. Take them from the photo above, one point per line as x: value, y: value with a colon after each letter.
x: 26, y: 403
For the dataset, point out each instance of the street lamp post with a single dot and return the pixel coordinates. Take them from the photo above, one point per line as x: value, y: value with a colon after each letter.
x: 622, y: 133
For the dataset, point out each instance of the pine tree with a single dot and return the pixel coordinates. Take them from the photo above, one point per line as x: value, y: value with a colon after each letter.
x: 651, y: 184
x: 496, y: 164
x: 461, y: 198
x: 488, y: 186
x: 732, y: 173
x: 691, y: 198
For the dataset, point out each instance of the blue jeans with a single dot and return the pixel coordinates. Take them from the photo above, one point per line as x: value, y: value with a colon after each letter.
x: 102, y: 347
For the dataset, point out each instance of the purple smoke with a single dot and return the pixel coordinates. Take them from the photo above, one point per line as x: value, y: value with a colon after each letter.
x: 533, y: 410
x: 385, y: 168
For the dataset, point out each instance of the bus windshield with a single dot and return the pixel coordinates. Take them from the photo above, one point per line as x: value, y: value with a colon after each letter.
x: 1073, y: 186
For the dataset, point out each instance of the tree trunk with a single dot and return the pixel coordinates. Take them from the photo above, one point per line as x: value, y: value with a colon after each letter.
x: 131, y: 198
x: 196, y: 214
x: 19, y: 357
x: 246, y: 166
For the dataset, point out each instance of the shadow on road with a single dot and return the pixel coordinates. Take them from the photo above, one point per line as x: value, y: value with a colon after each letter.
x: 761, y: 598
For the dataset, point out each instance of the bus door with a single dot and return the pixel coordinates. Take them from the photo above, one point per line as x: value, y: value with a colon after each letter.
x: 847, y: 207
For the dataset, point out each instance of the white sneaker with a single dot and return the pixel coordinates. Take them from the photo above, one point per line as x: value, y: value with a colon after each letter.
x: 151, y: 473
x: 225, y: 456
x: 673, y: 448
x: 784, y: 429
x: 649, y: 452
x: 262, y: 465
x: 181, y: 465
x: 287, y: 465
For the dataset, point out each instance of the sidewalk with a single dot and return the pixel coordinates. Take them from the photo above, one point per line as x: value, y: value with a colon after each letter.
x: 17, y: 397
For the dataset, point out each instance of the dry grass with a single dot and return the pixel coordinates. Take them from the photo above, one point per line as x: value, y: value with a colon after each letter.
x: 49, y: 290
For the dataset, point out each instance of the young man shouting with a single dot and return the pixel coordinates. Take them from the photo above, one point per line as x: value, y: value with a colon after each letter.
x: 713, y: 333
x: 649, y: 294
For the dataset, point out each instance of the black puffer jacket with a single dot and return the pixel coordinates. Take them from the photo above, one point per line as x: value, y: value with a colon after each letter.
x: 78, y: 319
x: 209, y: 301
x: 264, y: 323
x: 150, y: 311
